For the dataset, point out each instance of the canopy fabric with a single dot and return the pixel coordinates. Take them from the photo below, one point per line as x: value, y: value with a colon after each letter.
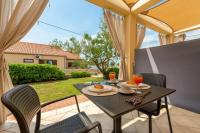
x: 130, y: 2
x: 178, y: 14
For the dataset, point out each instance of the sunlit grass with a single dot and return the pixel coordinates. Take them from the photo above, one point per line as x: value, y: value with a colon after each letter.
x: 49, y: 91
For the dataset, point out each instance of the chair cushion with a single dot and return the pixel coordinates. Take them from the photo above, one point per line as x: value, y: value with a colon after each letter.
x: 149, y: 109
x: 70, y: 125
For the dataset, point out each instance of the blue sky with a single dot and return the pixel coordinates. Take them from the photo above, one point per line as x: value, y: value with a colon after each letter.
x: 79, y: 16
x: 76, y: 15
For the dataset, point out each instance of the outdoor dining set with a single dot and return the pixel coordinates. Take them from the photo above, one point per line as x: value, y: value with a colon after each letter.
x: 145, y: 93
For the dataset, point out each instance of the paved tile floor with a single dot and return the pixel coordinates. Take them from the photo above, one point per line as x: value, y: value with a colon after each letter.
x: 183, y: 121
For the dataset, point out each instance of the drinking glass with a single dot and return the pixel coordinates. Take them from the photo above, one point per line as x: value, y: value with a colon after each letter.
x: 112, y: 75
x: 137, y: 79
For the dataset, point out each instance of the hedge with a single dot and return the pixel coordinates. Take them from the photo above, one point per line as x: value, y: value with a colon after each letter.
x: 27, y: 73
x: 112, y: 69
x: 77, y: 74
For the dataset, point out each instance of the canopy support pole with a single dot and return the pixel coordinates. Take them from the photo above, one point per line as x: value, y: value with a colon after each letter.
x: 170, y: 38
x: 130, y: 39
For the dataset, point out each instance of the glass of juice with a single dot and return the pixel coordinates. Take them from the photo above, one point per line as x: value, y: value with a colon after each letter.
x: 112, y: 75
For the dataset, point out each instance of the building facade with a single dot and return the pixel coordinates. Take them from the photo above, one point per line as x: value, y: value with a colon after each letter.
x: 32, y: 53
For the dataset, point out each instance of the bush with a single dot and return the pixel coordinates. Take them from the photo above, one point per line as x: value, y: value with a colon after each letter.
x: 112, y: 69
x: 80, y: 64
x: 27, y: 73
x: 80, y: 74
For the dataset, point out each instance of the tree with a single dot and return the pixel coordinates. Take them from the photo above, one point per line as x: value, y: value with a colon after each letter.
x: 73, y: 45
x: 99, y: 50
x: 57, y: 44
x: 96, y: 50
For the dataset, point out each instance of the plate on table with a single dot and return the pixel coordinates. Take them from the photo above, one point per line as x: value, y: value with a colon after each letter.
x: 126, y: 91
x: 142, y: 86
x: 125, y: 84
x: 106, y: 88
x: 112, y: 81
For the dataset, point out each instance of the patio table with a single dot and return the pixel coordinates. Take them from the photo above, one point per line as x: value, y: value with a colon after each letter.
x: 116, y: 106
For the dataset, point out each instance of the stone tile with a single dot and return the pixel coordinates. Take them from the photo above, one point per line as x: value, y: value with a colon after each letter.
x: 105, y: 120
x: 14, y: 129
x: 68, y: 114
x: 48, y: 114
x: 128, y: 116
x: 54, y: 118
x: 7, y: 125
x: 63, y: 110
x: 190, y: 130
x: 5, y: 132
x: 183, y: 121
x: 45, y: 123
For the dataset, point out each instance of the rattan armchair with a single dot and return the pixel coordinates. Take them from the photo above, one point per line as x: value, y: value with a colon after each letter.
x: 24, y: 103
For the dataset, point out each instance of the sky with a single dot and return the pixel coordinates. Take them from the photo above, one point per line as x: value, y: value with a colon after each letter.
x: 79, y: 16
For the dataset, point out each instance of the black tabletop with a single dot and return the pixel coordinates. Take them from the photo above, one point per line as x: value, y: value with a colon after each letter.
x: 115, y: 105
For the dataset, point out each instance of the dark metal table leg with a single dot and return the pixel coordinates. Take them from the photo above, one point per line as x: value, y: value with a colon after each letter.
x: 117, y: 125
x: 168, y: 116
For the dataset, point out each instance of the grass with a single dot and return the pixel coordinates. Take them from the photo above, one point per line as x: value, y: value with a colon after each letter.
x: 49, y: 91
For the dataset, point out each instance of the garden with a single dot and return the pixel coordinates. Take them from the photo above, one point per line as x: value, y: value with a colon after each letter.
x: 49, y: 81
x: 52, y: 83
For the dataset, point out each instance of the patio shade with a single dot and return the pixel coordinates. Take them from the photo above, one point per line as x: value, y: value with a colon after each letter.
x: 164, y: 16
x: 178, y: 14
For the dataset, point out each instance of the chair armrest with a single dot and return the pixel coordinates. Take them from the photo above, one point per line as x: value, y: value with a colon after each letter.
x: 88, y: 128
x: 57, y: 100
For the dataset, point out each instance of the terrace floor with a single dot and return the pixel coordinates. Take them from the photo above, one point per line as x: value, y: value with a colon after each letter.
x: 183, y: 121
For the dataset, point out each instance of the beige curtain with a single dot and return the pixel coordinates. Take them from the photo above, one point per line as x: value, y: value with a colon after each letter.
x: 16, y: 19
x: 141, y: 29
x: 164, y: 39
x: 116, y: 28
x: 180, y: 38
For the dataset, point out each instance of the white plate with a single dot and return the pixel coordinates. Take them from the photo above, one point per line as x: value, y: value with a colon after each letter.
x: 112, y: 81
x: 141, y: 85
x: 124, y: 84
x: 105, y: 89
x: 126, y: 91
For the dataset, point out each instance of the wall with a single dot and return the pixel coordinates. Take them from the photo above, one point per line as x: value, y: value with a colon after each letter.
x: 19, y: 58
x: 181, y: 64
x: 67, y: 61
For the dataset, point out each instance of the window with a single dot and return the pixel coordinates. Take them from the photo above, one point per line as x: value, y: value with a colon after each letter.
x: 28, y: 60
x: 52, y: 62
x: 70, y: 64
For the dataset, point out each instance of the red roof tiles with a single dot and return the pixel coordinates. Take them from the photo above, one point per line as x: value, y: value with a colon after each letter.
x: 39, y: 49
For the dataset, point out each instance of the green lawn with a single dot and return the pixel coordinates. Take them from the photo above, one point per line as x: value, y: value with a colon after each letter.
x: 49, y: 91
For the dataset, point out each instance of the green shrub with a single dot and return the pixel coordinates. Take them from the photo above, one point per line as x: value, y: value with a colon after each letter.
x: 80, y: 74
x: 80, y: 64
x: 112, y: 69
x: 27, y: 73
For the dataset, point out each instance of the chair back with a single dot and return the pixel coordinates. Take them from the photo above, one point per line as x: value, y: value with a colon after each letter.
x: 154, y: 79
x: 24, y: 103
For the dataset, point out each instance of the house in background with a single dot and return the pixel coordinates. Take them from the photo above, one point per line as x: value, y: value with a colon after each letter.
x: 25, y: 52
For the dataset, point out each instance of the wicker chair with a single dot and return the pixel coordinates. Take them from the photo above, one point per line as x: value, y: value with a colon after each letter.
x: 153, y: 109
x: 24, y: 103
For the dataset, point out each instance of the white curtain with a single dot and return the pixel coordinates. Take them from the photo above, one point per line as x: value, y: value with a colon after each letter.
x: 116, y: 28
x: 141, y: 29
x: 164, y: 39
x: 16, y: 18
